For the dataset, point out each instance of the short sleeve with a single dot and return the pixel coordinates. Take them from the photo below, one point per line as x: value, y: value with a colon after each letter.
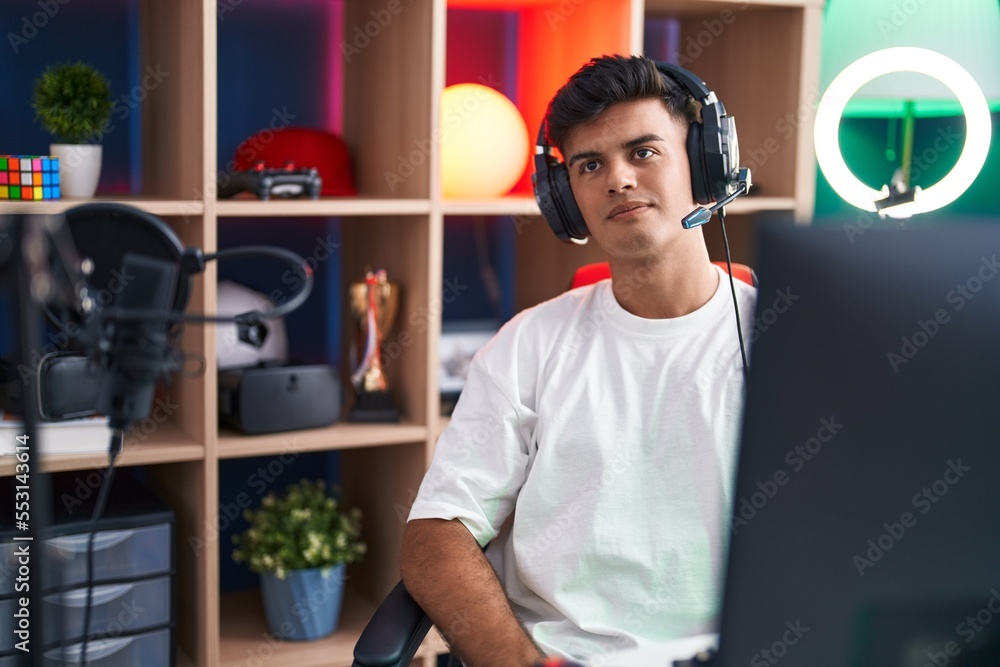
x: 482, y: 458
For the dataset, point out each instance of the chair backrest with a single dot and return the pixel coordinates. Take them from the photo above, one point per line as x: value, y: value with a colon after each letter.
x: 591, y: 273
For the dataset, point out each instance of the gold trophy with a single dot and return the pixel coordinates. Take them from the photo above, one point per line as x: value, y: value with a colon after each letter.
x: 373, y: 306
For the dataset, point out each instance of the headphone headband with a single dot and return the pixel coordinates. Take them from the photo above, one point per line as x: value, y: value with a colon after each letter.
x: 712, y: 149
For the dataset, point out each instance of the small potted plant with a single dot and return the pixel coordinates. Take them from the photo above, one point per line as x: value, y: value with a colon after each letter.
x: 299, y: 542
x: 73, y: 103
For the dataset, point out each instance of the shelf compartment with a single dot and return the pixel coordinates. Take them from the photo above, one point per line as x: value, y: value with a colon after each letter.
x: 244, y: 634
x: 170, y: 444
x: 154, y: 205
x: 362, y: 71
x: 325, y: 206
x: 233, y: 444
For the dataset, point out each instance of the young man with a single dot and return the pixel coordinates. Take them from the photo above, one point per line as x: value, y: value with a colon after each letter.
x: 600, y: 426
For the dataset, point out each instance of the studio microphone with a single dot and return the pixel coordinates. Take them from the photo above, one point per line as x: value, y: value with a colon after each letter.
x: 701, y: 215
x: 135, y: 353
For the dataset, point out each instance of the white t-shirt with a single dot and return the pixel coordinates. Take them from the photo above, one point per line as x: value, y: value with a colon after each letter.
x: 612, y: 440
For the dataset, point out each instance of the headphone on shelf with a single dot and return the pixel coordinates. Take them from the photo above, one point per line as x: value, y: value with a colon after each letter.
x: 105, y: 231
x: 712, y: 149
x: 130, y: 278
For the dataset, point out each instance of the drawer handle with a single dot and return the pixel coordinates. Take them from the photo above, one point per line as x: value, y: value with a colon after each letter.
x: 78, y: 596
x: 96, y: 650
x: 104, y: 540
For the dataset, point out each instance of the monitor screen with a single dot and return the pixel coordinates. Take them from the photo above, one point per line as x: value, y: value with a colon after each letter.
x: 866, y: 511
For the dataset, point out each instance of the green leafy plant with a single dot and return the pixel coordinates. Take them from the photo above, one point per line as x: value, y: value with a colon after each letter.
x: 302, y: 528
x: 72, y: 102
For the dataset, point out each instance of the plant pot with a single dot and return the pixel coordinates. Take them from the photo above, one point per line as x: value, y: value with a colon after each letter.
x: 79, y: 168
x: 305, y: 604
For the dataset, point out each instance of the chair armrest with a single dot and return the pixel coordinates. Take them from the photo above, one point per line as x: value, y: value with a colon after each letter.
x: 394, y: 633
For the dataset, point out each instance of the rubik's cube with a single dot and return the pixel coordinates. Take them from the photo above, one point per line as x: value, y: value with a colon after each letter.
x: 25, y: 177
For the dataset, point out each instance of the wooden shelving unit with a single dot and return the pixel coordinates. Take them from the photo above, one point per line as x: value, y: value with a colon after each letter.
x: 764, y: 65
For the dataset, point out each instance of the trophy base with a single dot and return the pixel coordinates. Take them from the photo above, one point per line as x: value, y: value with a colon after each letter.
x: 374, y: 406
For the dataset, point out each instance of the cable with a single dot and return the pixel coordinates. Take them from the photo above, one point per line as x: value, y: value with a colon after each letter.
x: 278, y: 253
x: 251, y: 317
x: 732, y: 286
x: 117, y: 437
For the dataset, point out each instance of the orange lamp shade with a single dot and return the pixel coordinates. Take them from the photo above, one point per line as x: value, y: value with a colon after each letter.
x: 484, y: 142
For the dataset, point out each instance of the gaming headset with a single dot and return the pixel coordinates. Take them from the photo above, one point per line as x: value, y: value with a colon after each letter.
x: 712, y: 150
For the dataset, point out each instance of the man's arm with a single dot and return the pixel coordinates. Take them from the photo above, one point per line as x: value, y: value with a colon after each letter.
x: 445, y: 571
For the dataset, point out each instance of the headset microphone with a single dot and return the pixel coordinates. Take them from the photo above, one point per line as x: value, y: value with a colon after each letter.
x: 701, y: 215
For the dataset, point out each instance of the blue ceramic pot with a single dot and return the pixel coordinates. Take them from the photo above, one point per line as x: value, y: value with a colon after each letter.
x: 305, y: 604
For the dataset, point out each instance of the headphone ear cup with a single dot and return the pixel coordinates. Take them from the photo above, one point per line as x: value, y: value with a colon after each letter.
x: 557, y: 204
x: 545, y: 198
x: 572, y: 218
x: 700, y: 187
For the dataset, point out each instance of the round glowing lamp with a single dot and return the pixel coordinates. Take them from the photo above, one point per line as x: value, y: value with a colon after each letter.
x: 484, y: 142
x: 903, y: 59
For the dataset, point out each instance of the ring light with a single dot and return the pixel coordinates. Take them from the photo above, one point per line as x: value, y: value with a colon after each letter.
x: 887, y: 61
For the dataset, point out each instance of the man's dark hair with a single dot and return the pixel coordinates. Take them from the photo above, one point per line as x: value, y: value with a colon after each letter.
x: 608, y: 80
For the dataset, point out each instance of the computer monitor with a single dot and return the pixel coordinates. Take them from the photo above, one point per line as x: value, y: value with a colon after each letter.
x: 866, y: 527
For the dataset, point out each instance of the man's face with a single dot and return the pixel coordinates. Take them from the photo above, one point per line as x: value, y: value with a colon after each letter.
x: 629, y: 172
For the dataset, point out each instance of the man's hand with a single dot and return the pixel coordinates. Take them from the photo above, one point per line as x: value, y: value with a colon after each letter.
x: 445, y: 571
